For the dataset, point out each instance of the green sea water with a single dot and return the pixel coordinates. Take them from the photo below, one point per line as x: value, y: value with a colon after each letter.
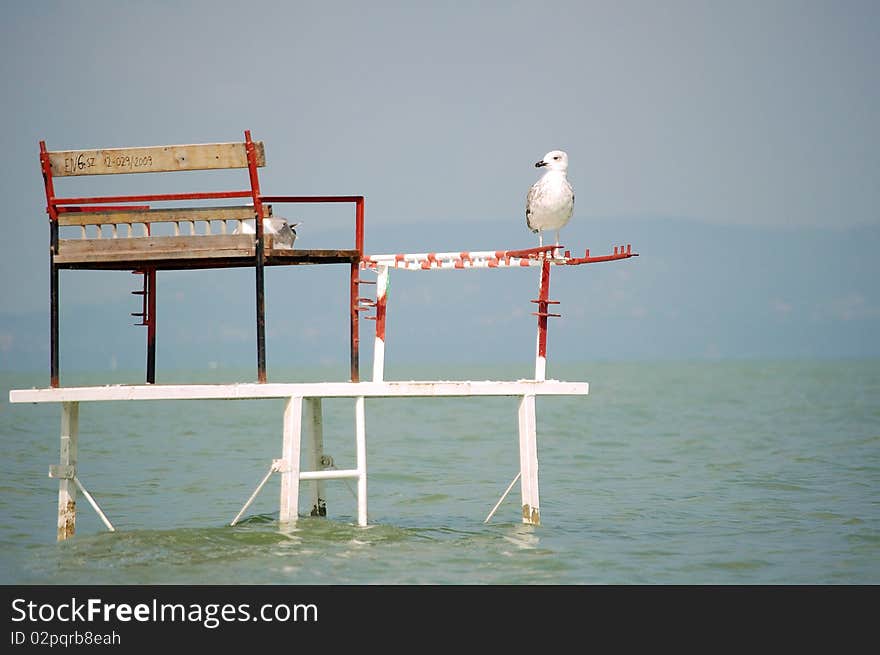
x: 711, y: 472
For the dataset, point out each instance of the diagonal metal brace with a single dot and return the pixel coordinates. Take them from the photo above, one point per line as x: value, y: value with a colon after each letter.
x: 68, y: 472
x: 275, y: 467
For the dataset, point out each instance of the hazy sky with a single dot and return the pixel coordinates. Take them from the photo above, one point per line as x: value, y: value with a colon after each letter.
x: 757, y: 113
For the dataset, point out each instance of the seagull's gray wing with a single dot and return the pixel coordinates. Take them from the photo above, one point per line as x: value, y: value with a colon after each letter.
x: 532, y: 196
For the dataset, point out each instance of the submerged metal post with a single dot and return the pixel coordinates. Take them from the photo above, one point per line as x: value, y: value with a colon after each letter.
x: 66, y: 485
x: 361, y: 447
x: 313, y: 421
x: 528, y: 461
x: 528, y: 433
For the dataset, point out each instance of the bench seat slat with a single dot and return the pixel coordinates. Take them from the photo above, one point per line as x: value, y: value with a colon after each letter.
x: 175, y: 247
x: 106, y: 253
x: 170, y: 215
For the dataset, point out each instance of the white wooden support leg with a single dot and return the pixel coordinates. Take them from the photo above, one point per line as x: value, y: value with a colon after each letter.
x: 313, y: 421
x: 66, y: 485
x: 290, y: 456
x: 361, y: 446
x: 528, y: 461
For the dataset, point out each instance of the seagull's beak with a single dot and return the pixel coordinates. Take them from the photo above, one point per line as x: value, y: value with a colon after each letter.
x: 540, y: 163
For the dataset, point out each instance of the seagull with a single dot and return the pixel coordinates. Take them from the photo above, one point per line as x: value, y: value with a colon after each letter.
x: 284, y: 232
x: 551, y: 199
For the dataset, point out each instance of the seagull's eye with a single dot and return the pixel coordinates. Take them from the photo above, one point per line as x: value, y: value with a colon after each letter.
x: 557, y: 157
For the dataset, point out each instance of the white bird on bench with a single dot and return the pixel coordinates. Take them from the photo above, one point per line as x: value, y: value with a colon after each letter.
x: 284, y: 232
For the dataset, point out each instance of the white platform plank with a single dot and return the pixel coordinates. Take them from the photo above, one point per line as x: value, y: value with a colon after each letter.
x: 396, y: 389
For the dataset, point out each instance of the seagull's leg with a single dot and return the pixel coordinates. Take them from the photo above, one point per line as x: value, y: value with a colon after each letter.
x: 557, y: 238
x: 540, y: 238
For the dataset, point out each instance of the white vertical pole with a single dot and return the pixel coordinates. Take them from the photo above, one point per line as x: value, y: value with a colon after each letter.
x: 290, y: 456
x: 66, y: 485
x: 361, y: 446
x: 378, y: 360
x: 314, y: 424
x: 540, y: 364
x: 528, y: 461
x: 379, y: 343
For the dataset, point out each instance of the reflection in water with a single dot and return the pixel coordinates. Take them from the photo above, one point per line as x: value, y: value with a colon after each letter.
x: 523, y: 536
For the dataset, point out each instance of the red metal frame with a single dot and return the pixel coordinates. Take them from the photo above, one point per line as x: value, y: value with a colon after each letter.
x: 354, y: 279
x: 545, y: 256
x: 148, y: 317
x: 543, y: 301
x: 260, y: 257
x: 619, y: 253
x: 203, y: 195
x: 56, y: 205
x: 101, y: 208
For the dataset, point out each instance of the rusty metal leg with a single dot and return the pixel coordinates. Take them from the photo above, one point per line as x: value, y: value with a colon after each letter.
x: 53, y: 326
x: 261, y: 311
x: 355, y: 324
x: 148, y: 317
x: 150, y: 275
x: 355, y: 280
x: 53, y: 305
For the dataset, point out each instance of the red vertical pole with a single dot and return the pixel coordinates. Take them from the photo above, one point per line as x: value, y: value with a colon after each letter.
x: 53, y: 268
x: 354, y: 291
x: 260, y: 256
x: 359, y: 225
x: 543, y: 314
x: 354, y: 323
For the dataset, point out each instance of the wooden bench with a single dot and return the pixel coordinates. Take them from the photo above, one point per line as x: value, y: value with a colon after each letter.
x: 129, y: 232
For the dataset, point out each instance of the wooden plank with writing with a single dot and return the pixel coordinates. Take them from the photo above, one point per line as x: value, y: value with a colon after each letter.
x: 153, y: 159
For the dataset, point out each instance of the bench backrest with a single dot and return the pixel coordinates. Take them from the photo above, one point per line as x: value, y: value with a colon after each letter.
x: 102, y: 211
x: 155, y: 159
